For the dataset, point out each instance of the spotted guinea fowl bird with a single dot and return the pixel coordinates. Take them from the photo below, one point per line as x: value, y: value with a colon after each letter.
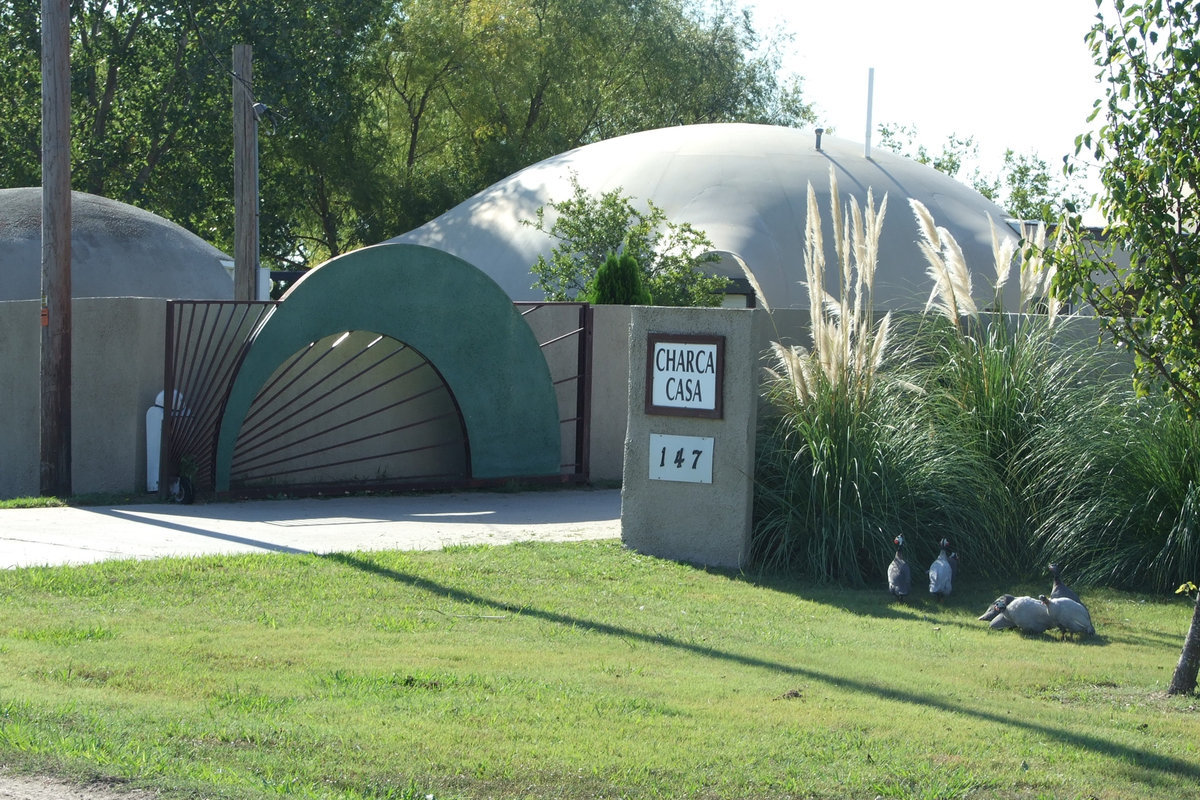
x: 993, y: 617
x: 941, y: 573
x: 1060, y: 589
x: 1068, y: 615
x: 1026, y: 613
x: 899, y: 575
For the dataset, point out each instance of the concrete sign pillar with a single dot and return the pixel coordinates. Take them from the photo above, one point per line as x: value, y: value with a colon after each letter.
x: 689, y: 447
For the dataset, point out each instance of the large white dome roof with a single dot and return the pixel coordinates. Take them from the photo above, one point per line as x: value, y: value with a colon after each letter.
x: 746, y: 187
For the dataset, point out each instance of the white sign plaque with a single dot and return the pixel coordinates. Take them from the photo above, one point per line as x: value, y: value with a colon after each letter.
x: 681, y: 458
x: 684, y: 375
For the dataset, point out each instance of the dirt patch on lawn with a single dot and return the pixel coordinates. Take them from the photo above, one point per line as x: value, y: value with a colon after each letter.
x: 23, y: 787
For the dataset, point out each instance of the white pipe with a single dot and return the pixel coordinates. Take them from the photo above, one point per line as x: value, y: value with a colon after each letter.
x: 870, y: 100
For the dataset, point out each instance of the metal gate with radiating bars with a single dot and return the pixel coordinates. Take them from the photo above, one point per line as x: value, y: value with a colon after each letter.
x: 355, y: 411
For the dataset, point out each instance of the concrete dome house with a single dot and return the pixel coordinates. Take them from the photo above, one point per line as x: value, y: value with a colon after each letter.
x: 117, y: 250
x: 746, y: 187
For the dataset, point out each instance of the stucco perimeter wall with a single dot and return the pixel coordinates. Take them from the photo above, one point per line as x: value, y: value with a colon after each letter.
x: 610, y: 390
x: 116, y: 372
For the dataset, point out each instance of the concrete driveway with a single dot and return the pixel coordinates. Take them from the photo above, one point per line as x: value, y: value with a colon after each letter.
x: 54, y: 536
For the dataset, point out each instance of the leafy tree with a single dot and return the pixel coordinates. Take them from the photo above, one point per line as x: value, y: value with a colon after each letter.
x: 1028, y: 190
x: 142, y: 101
x: 322, y: 148
x: 514, y: 82
x: 1149, y: 60
x: 151, y: 113
x: 619, y: 282
x: 956, y: 150
x: 20, y: 94
x: 1024, y: 187
x: 671, y: 255
x: 382, y: 114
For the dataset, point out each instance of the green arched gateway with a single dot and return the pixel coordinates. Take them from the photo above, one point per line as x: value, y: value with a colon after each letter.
x: 454, y: 315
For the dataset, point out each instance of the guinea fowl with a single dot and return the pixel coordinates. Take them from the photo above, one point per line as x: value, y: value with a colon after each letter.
x: 899, y: 575
x: 1060, y: 589
x: 941, y: 573
x: 1028, y: 614
x: 1069, y: 616
x: 993, y: 617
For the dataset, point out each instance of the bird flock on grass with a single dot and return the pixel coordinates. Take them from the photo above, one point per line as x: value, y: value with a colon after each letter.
x: 1061, y: 609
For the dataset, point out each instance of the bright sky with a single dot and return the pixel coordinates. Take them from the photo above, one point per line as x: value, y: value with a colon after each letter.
x: 1013, y: 74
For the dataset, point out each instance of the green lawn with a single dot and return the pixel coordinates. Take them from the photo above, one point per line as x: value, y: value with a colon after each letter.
x: 573, y: 671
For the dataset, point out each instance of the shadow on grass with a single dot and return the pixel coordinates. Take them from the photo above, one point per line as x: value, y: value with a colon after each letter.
x: 1135, y: 757
x: 920, y: 607
x: 1144, y: 639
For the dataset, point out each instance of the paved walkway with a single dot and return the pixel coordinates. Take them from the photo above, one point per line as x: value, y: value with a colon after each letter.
x: 52, y: 536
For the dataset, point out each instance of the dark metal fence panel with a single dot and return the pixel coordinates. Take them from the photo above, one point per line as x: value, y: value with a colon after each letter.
x: 564, y: 332
x: 360, y: 410
x: 206, y: 341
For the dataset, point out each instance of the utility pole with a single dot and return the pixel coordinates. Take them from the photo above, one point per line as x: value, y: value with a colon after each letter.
x: 56, y: 250
x: 245, y: 176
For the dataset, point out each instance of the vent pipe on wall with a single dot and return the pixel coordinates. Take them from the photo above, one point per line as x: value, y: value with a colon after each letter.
x: 870, y: 100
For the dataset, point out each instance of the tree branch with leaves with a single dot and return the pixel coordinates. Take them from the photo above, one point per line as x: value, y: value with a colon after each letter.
x: 1149, y: 63
x: 587, y: 227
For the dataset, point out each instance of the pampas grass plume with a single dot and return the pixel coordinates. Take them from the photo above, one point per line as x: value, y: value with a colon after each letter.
x: 1002, y: 256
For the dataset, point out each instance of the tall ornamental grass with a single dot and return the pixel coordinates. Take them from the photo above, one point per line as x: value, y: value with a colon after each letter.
x: 998, y: 379
x: 1122, y: 492
x: 1010, y: 434
x: 1095, y: 478
x: 846, y: 459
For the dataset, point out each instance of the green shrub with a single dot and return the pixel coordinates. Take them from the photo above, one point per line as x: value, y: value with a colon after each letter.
x: 674, y: 256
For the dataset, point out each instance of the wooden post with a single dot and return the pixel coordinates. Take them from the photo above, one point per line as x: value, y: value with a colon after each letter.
x: 56, y: 250
x: 245, y: 176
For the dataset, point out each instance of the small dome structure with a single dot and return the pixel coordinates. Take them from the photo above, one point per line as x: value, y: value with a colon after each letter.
x: 746, y: 187
x: 117, y: 250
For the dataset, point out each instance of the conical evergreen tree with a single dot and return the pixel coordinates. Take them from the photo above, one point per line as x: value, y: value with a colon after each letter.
x: 619, y: 282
